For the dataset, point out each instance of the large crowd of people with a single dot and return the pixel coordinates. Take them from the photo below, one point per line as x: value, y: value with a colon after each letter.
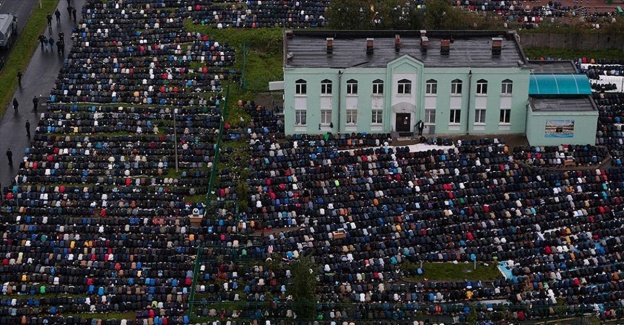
x: 97, y: 222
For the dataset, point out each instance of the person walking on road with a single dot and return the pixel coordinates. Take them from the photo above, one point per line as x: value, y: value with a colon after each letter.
x: 19, y: 77
x: 57, y: 13
x: 43, y: 41
x: 51, y: 43
x: 69, y: 10
x: 9, y: 155
x: 27, y: 128
x: 35, y: 103
x: 74, y: 14
x: 60, y: 47
x: 15, y: 104
x: 49, y: 18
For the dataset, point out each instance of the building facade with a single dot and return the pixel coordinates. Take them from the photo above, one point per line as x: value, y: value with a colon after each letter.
x: 454, y: 82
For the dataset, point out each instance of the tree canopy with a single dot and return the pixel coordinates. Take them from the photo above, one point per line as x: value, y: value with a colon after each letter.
x: 402, y: 14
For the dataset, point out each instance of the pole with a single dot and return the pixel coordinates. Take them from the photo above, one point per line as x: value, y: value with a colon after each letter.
x: 175, y: 138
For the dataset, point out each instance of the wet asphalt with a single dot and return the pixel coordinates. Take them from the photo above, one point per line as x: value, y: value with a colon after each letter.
x: 37, y: 81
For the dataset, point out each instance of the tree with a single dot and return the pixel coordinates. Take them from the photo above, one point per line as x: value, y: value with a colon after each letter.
x: 397, y: 14
x: 303, y: 287
x: 350, y: 14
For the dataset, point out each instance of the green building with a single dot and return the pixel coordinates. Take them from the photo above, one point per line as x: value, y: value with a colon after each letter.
x: 456, y: 82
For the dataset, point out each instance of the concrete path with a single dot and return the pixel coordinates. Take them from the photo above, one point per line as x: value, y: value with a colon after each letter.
x: 38, y: 80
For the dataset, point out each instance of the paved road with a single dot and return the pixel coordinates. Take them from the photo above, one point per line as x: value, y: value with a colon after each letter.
x: 21, y: 9
x: 38, y: 80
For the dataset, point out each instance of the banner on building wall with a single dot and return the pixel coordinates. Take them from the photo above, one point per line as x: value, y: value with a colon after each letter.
x: 559, y: 129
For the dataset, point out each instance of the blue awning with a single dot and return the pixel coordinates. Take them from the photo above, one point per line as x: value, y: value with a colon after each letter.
x: 559, y: 84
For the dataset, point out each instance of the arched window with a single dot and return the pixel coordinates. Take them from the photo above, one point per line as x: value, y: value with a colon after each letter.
x: 506, y: 87
x: 456, y: 87
x: 404, y: 87
x: 378, y: 87
x: 431, y: 87
x: 352, y: 87
x: 326, y: 87
x: 301, y: 87
x: 482, y: 87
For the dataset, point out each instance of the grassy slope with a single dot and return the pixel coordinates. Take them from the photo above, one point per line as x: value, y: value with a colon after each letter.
x: 457, y: 272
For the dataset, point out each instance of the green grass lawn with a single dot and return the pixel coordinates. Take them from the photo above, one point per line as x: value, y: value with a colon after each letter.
x: 22, y: 50
x: 264, y: 54
x: 455, y: 272
x: 118, y: 316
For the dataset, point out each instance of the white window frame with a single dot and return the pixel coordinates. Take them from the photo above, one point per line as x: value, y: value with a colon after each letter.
x: 456, y: 87
x: 506, y: 87
x: 351, y: 116
x: 430, y: 116
x: 482, y: 87
x: 480, y: 114
x: 455, y: 116
x: 378, y: 87
x: 301, y: 117
x: 377, y: 116
x: 404, y: 87
x: 301, y: 87
x: 504, y: 116
x: 352, y: 87
x: 327, y: 87
x: 431, y: 87
x: 326, y: 116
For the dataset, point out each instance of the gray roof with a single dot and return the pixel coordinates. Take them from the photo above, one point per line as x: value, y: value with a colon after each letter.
x: 538, y: 66
x: 574, y: 104
x: 468, y: 49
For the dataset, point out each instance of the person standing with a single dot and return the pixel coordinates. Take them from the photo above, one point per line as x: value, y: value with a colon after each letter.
x: 15, y: 104
x: 35, y: 102
x: 49, y: 18
x: 27, y: 128
x: 74, y: 14
x: 19, y: 77
x: 9, y: 155
x: 69, y: 10
x: 57, y: 13
x: 420, y: 125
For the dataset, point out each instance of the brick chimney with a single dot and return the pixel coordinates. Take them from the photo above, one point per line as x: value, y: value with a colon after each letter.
x: 370, y: 45
x: 497, y: 45
x: 445, y: 46
x: 397, y: 43
x: 424, y: 43
x: 330, y: 45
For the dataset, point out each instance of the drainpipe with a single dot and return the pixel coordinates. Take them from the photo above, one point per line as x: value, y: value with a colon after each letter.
x: 339, y: 97
x: 468, y: 111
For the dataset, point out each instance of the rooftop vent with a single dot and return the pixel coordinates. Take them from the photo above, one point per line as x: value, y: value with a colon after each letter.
x: 497, y: 45
x: 397, y: 43
x: 330, y: 45
x: 424, y: 43
x: 370, y: 45
x: 445, y: 46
